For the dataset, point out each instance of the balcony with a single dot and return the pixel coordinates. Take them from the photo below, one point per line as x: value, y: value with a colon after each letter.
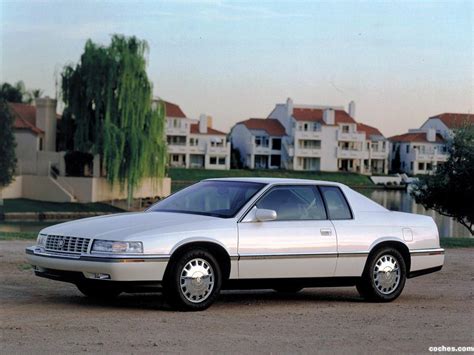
x: 178, y: 148
x: 217, y: 149
x: 177, y: 131
x: 350, y: 137
x: 308, y: 152
x: 352, y: 154
x: 308, y: 135
x: 378, y: 154
x: 431, y: 156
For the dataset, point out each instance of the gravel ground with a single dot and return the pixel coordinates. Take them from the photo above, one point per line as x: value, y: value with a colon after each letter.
x: 43, y: 316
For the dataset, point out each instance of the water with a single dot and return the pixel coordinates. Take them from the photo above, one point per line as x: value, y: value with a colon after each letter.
x: 396, y: 200
x: 400, y: 200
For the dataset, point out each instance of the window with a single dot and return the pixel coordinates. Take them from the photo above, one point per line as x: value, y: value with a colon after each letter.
x: 261, y: 141
x: 421, y: 166
x: 294, y: 203
x: 408, y: 148
x: 213, y: 160
x: 316, y: 126
x: 411, y: 166
x: 345, y: 129
x: 275, y: 160
x: 305, y: 127
x: 429, y: 166
x: 336, y: 203
x: 276, y: 143
x: 221, y: 161
x: 211, y: 198
x: 193, y: 141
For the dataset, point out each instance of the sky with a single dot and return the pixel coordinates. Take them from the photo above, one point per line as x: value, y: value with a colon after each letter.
x: 401, y: 62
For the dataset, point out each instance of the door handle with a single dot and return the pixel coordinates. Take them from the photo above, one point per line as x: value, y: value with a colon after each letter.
x: 326, y: 231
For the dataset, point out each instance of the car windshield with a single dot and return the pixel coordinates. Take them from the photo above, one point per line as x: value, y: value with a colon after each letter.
x: 211, y: 198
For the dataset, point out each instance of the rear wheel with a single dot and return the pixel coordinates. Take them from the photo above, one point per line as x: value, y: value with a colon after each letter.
x: 384, y: 276
x: 193, y: 281
x: 99, y: 292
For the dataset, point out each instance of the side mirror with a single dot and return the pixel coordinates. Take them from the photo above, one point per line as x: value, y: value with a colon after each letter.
x: 263, y: 215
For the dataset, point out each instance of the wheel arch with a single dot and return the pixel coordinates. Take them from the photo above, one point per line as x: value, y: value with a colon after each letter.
x: 391, y: 243
x: 215, y: 248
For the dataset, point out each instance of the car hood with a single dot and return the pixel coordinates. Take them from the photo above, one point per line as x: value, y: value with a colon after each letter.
x: 123, y: 226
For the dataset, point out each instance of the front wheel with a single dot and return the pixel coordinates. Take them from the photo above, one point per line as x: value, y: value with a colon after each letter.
x: 384, y: 276
x: 193, y: 281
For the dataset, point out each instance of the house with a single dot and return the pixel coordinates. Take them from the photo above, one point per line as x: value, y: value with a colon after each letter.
x: 419, y: 151
x: 328, y: 138
x: 259, y: 142
x: 41, y: 173
x: 446, y: 124
x: 193, y: 143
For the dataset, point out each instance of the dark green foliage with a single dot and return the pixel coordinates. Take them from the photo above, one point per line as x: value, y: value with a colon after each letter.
x: 109, y: 96
x: 18, y: 93
x: 396, y: 163
x: 450, y: 190
x: 7, y: 145
x: 76, y: 162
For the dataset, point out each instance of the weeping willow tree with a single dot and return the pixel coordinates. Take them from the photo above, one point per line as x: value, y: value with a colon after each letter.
x: 109, y: 97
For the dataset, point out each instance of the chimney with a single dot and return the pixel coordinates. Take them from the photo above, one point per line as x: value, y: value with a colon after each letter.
x: 352, y: 109
x: 289, y: 107
x: 202, y: 123
x: 209, y: 121
x: 431, y: 135
x: 329, y: 116
x: 46, y: 121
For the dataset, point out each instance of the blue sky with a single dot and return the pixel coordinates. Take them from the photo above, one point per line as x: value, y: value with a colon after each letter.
x: 400, y: 61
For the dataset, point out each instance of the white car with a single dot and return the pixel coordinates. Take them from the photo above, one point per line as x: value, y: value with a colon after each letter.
x: 284, y: 234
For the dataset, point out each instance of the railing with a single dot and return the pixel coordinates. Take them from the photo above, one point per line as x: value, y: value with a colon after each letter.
x: 53, y: 173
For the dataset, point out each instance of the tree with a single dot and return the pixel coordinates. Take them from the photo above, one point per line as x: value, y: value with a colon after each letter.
x: 12, y: 93
x: 109, y: 97
x: 450, y: 190
x: 7, y: 147
x: 18, y: 93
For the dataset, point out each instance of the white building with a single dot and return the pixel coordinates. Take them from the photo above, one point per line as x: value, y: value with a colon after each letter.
x: 446, y: 124
x: 193, y: 143
x: 328, y: 138
x: 420, y: 151
x: 259, y: 142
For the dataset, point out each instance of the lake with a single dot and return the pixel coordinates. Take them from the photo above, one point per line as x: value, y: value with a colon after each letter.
x: 396, y: 200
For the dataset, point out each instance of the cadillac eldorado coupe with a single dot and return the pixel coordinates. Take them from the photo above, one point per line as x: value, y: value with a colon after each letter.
x: 234, y: 233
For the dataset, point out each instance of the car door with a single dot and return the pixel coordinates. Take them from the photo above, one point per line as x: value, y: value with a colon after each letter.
x: 301, y: 242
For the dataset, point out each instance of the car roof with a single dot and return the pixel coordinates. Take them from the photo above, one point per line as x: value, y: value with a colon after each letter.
x: 277, y: 180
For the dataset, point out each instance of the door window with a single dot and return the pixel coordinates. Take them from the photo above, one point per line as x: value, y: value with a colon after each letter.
x: 294, y: 203
x: 336, y: 203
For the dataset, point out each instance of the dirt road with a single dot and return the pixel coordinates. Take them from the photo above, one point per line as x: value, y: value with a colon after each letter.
x: 43, y: 316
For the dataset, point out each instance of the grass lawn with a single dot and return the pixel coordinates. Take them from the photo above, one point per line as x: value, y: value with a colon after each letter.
x: 181, y: 177
x: 26, y: 205
x: 445, y: 242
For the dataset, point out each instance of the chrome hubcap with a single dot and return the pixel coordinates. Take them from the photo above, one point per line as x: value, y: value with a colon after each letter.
x: 197, y: 280
x: 386, y: 274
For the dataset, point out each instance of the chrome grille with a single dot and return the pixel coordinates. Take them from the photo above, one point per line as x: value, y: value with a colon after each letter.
x: 67, y: 244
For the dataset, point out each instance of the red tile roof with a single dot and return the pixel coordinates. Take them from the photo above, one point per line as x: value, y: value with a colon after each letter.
x: 415, y: 137
x: 455, y: 120
x: 316, y: 115
x: 173, y: 110
x: 210, y: 130
x: 270, y: 125
x: 25, y: 117
x: 368, y: 130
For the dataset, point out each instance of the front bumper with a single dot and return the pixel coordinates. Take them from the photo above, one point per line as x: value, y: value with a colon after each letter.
x: 98, y: 267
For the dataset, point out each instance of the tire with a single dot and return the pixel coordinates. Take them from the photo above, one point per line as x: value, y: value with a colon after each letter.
x: 288, y: 289
x: 379, y: 286
x: 99, y: 292
x: 193, y: 281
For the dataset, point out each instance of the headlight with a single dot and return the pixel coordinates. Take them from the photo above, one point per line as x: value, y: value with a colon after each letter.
x: 109, y: 246
x: 41, y: 239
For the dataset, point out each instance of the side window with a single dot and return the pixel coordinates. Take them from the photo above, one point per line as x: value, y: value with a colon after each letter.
x: 336, y: 203
x: 301, y: 202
